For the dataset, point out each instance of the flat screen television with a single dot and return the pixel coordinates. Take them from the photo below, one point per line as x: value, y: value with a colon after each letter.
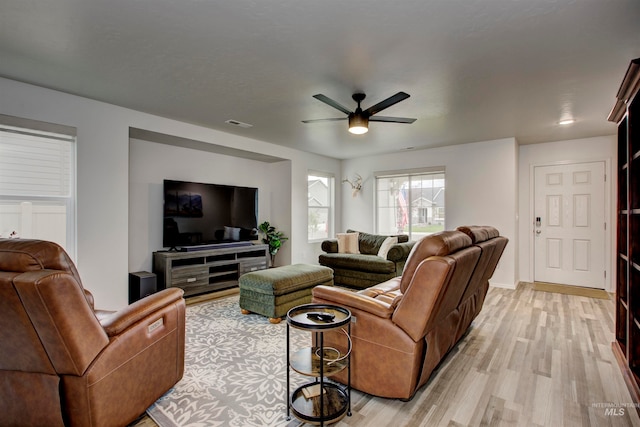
x: 202, y: 214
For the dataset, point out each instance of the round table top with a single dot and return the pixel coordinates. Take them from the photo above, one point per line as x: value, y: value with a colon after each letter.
x: 318, y: 316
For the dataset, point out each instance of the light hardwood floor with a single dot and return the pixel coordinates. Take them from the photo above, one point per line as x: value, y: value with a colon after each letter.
x: 531, y: 358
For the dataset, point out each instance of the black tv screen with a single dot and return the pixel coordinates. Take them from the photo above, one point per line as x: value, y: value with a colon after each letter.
x: 198, y: 214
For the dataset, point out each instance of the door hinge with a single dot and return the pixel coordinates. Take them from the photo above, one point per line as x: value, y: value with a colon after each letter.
x: 605, y: 274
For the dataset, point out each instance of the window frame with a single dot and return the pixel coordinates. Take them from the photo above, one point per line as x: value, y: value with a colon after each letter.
x: 408, y: 173
x: 330, y: 207
x: 53, y: 132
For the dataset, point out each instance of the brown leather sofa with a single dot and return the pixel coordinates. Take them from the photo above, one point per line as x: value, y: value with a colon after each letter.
x: 64, y: 363
x: 405, y: 326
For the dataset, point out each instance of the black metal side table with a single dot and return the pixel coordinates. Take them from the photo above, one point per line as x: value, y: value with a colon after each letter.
x: 319, y: 401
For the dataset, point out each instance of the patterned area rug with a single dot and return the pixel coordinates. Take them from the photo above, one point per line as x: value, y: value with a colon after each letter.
x: 235, y: 370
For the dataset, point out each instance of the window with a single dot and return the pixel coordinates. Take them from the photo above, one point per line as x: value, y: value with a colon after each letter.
x: 37, y: 183
x: 320, y: 206
x: 410, y: 203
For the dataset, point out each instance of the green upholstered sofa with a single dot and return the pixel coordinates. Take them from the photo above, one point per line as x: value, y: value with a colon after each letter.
x: 366, y: 268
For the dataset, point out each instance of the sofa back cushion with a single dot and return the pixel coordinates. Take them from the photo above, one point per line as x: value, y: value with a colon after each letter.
x: 49, y: 292
x: 439, y: 244
x: 435, y: 289
x: 21, y: 347
x: 479, y: 233
x: 370, y: 243
x: 488, y: 239
x: 65, y: 322
x: 451, y: 291
x: 22, y: 255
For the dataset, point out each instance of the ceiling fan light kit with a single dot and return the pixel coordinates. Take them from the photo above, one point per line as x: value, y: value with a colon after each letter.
x: 359, y: 119
x: 358, y: 124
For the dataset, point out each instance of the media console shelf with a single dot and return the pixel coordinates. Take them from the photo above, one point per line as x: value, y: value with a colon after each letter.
x: 208, y: 270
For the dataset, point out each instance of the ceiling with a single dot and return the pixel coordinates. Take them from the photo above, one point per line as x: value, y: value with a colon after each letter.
x: 475, y: 69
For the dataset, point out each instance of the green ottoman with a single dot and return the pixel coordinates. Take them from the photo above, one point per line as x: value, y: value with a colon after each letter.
x: 274, y: 291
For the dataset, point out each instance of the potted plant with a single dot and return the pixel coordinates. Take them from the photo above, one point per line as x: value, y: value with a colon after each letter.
x: 273, y: 238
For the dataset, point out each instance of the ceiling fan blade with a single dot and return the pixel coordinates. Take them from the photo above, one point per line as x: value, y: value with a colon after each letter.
x: 331, y: 102
x: 400, y: 96
x: 391, y: 119
x: 324, y: 120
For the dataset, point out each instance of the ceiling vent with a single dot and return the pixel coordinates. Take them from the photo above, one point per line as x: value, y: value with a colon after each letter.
x: 237, y: 123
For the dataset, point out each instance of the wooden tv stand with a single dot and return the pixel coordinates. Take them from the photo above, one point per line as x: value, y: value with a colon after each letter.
x: 208, y: 270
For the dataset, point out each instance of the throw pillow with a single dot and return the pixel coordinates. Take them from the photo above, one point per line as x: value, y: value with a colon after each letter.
x: 348, y: 243
x: 369, y: 243
x: 386, y: 245
x: 231, y: 233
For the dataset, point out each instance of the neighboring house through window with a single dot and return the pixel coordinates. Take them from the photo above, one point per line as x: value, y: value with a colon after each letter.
x: 410, y: 202
x: 320, y: 205
x: 37, y: 181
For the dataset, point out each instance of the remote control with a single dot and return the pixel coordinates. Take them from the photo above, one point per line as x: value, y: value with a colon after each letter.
x: 323, y: 317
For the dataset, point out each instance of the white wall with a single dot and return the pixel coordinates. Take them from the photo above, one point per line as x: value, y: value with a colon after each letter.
x: 589, y: 149
x: 103, y: 255
x: 151, y: 163
x: 487, y: 183
x: 481, y: 189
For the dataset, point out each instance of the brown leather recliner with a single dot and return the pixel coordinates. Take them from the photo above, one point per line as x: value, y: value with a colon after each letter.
x: 405, y: 326
x: 63, y: 363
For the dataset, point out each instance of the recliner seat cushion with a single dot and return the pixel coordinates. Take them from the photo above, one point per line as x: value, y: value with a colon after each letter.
x: 359, y: 279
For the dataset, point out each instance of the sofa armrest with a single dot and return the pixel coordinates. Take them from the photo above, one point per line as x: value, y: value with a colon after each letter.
x: 143, y: 359
x: 122, y: 319
x: 350, y: 299
x: 400, y: 251
x: 330, y: 246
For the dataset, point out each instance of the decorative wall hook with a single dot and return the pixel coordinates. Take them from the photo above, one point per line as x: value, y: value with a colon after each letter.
x: 356, y: 185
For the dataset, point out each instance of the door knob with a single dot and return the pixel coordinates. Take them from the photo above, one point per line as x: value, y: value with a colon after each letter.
x: 538, y: 231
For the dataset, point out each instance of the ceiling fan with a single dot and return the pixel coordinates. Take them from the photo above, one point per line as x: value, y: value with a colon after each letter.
x: 359, y: 119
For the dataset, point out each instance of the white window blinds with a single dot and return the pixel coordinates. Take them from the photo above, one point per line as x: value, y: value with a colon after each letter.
x: 35, y: 163
x: 37, y: 181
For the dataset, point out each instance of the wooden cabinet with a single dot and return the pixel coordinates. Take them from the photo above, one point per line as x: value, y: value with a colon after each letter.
x: 208, y: 270
x: 626, y: 113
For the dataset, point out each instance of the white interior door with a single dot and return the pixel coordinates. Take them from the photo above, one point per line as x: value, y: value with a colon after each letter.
x: 569, y: 224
